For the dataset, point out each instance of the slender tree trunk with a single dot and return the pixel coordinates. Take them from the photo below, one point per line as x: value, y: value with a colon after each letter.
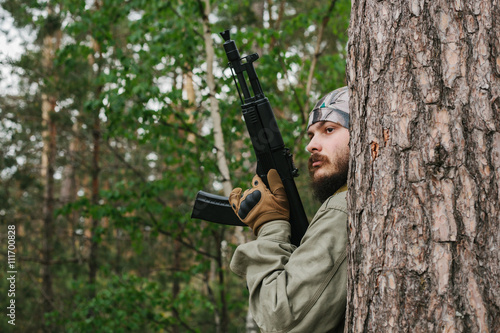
x: 95, y: 171
x: 188, y: 87
x: 222, y: 321
x: 94, y: 244
x: 48, y: 160
x: 317, y: 50
x: 68, y: 194
x: 424, y: 223
x: 214, y: 104
x: 51, y: 43
x: 277, y: 23
x: 176, y: 285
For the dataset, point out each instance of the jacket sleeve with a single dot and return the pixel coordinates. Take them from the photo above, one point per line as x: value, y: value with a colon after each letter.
x: 298, y: 289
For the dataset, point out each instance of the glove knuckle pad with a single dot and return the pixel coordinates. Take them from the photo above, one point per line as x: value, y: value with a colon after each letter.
x: 249, y: 203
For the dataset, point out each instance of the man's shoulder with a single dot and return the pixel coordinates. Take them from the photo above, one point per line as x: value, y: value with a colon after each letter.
x: 331, y: 217
x: 337, y: 201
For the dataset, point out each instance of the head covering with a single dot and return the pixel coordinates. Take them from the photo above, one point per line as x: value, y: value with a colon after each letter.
x: 333, y: 107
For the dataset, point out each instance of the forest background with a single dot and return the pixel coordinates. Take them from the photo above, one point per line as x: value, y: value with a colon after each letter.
x: 108, y: 130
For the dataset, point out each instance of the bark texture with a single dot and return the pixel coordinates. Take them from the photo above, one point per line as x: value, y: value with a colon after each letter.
x: 424, y: 198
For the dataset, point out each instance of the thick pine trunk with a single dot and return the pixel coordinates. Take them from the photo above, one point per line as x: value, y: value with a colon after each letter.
x: 424, y: 227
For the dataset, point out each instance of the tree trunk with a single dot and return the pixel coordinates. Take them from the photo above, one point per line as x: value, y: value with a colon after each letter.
x: 68, y: 195
x: 214, y: 104
x: 50, y: 45
x: 94, y: 244
x: 188, y: 88
x: 95, y: 171
x: 176, y: 284
x: 424, y: 223
x: 317, y: 50
x: 47, y: 170
x: 221, y: 318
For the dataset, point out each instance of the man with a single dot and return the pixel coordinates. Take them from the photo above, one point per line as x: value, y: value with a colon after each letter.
x: 300, y: 289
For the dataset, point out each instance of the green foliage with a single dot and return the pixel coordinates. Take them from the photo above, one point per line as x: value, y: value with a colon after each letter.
x: 128, y: 304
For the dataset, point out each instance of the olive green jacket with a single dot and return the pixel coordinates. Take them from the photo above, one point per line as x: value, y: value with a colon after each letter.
x: 298, y: 289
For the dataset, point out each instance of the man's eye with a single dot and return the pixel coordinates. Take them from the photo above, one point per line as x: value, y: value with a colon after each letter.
x: 330, y: 129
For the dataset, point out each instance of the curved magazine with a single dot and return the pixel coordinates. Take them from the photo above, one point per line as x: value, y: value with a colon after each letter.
x: 214, y: 208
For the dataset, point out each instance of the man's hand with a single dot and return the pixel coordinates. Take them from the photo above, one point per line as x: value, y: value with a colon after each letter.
x: 260, y: 205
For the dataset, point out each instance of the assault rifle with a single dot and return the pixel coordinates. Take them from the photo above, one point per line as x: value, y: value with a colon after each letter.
x: 267, y: 143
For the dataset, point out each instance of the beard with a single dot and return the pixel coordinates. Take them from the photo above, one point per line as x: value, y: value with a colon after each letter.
x: 327, y: 184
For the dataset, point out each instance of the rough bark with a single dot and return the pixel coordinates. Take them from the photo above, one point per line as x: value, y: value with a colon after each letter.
x: 424, y: 223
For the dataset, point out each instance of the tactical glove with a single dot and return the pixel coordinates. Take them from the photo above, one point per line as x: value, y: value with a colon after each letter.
x: 259, y: 204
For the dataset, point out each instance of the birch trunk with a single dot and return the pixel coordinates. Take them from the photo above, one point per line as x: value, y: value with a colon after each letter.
x: 424, y: 197
x: 214, y: 104
x: 222, y: 319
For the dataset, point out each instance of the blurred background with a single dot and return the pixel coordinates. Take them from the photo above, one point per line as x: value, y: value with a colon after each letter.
x: 107, y: 120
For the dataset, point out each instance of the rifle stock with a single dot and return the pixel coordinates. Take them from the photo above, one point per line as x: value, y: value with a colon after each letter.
x: 268, y: 146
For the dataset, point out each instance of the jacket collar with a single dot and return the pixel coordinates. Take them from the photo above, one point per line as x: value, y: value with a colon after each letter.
x: 342, y: 189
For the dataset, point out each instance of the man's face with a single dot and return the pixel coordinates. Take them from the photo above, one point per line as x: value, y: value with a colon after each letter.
x: 329, y: 160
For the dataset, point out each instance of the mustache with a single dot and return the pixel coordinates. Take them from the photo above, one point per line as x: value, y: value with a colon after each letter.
x: 316, y: 157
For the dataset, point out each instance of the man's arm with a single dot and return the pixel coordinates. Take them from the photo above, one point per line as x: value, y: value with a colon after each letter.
x: 298, y: 289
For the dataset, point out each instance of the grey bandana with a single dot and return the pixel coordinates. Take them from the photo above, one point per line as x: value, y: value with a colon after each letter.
x: 333, y: 107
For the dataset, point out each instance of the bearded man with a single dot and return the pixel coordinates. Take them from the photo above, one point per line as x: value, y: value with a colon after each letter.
x: 300, y: 289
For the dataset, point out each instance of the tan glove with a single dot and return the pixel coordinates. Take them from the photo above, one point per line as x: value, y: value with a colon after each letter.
x: 260, y: 205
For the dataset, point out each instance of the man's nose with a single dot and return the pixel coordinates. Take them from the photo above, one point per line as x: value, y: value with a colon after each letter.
x: 313, y: 145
